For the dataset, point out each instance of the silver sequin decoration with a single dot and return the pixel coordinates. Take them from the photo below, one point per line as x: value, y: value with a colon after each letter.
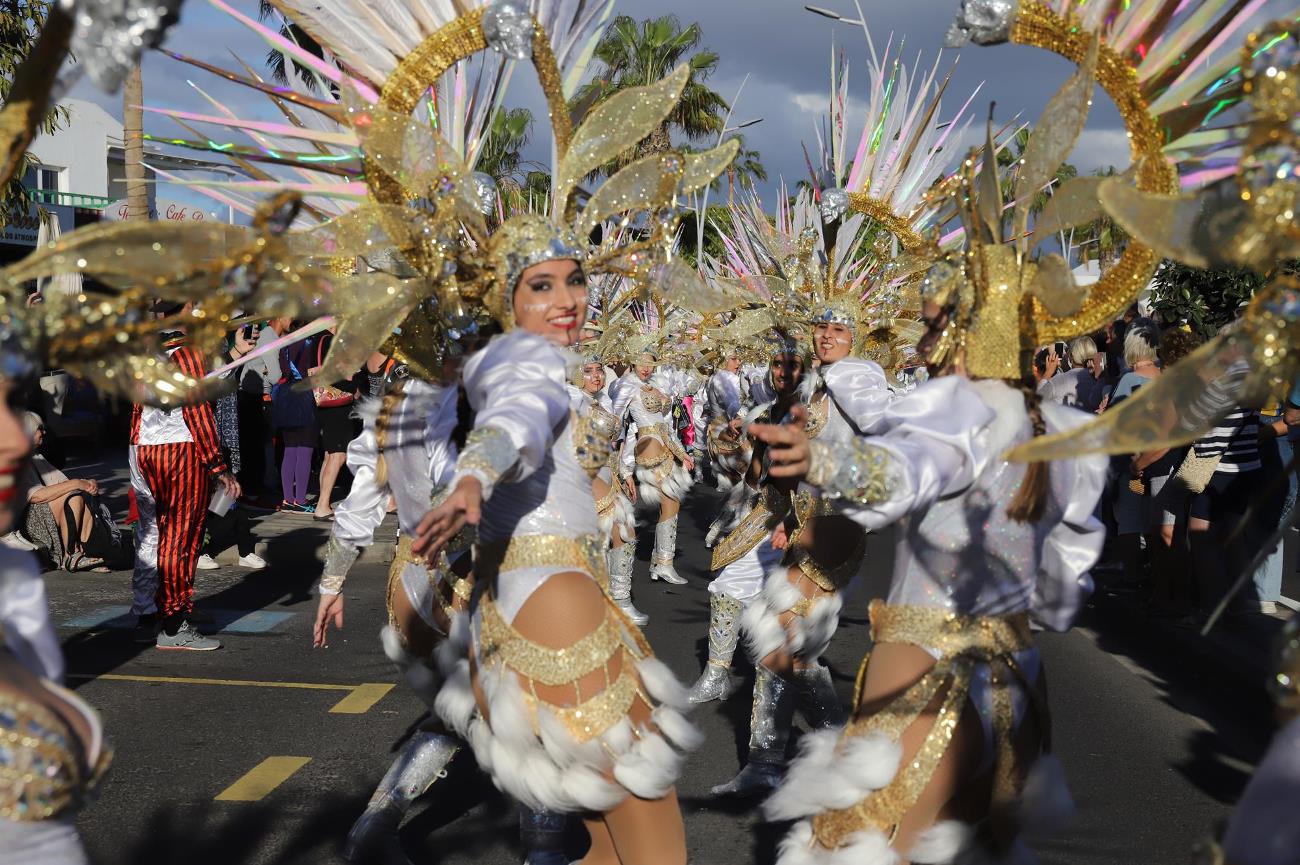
x: 508, y: 27
x: 984, y: 22
x: 109, y: 36
x: 485, y: 193
x: 834, y: 204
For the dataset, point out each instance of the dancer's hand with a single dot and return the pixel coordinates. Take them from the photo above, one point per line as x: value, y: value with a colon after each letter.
x: 629, y: 489
x: 330, y: 607
x: 780, y: 537
x: 441, y: 524
x: 688, y: 464
x: 787, y: 445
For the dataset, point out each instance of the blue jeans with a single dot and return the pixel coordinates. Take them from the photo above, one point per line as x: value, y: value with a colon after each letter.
x: 1276, y: 457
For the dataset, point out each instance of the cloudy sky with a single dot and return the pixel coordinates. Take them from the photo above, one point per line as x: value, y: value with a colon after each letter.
x: 782, y: 48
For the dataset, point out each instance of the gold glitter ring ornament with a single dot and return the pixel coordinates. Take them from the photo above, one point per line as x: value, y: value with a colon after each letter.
x: 1037, y: 25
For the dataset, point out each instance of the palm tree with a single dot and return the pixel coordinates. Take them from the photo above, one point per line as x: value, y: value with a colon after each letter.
x: 635, y: 54
x: 1110, y: 238
x: 20, y: 26
x: 137, y: 191
x: 1011, y: 155
x: 294, y: 33
x: 500, y: 155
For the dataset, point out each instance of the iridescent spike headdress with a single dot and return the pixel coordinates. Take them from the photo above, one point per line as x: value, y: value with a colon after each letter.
x: 1242, y: 221
x: 1159, y: 61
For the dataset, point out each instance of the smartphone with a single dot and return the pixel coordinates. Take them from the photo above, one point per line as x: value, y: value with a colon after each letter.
x: 251, y: 331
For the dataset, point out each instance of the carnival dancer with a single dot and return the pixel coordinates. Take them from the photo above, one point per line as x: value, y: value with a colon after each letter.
x: 724, y: 409
x: 950, y: 723
x: 598, y: 731
x: 404, y: 452
x: 789, y: 625
x: 746, y: 554
x: 53, y: 751
x: 662, y: 465
x: 612, y: 487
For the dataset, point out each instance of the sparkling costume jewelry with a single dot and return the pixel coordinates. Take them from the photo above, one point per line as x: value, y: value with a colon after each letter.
x: 935, y: 465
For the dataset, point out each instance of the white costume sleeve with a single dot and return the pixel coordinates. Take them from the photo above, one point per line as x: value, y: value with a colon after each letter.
x: 931, y: 443
x: 624, y: 392
x: 516, y: 385
x: 861, y: 391
x: 724, y: 393
x: 439, y: 426
x: 1075, y: 542
x: 358, y: 516
x: 25, y: 616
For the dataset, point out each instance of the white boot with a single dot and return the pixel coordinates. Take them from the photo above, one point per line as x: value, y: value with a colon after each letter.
x: 661, y: 560
x: 716, y: 682
x: 620, y: 582
x: 422, y: 760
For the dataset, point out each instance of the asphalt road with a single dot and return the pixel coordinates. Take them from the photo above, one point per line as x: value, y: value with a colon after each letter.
x: 265, y: 751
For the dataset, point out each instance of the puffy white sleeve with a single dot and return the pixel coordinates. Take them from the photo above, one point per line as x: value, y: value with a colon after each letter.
x: 724, y: 393
x: 438, y: 428
x: 517, y: 388
x: 25, y: 616
x: 358, y: 516
x: 624, y: 393
x: 931, y: 443
x: 860, y: 390
x: 578, y: 400
x: 1073, y: 545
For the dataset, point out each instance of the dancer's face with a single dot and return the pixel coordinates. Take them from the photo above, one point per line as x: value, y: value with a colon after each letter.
x: 593, y: 377
x: 15, y: 448
x: 644, y: 371
x: 732, y: 364
x: 787, y: 372
x: 832, y: 341
x: 550, y: 299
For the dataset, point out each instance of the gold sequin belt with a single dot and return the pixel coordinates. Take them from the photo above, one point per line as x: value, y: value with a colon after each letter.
x: 757, y: 525
x: 966, y: 642
x: 581, y: 553
x: 605, y: 503
x: 445, y: 584
x: 501, y: 646
x: 719, y: 445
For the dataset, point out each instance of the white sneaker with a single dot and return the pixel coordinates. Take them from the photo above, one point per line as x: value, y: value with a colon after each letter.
x: 207, y: 563
x: 252, y: 561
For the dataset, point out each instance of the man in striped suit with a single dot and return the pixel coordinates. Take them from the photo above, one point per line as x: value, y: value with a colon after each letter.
x: 175, y: 458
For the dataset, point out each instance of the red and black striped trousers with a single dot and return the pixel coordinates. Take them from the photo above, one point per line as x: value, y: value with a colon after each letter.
x: 181, y: 487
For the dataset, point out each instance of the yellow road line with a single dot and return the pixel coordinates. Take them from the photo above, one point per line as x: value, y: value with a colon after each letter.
x: 362, y: 698
x: 359, y: 700
x: 183, y: 680
x: 262, y: 779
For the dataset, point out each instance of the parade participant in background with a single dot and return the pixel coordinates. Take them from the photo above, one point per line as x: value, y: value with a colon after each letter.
x: 742, y: 559
x: 175, y: 457
x: 662, y: 465
x: 727, y: 453
x: 405, y: 452
x: 612, y: 487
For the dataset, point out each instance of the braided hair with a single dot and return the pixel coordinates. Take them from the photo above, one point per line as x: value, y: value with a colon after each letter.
x: 387, y: 406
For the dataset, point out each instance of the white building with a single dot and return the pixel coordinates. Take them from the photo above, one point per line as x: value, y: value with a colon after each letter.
x: 79, y: 176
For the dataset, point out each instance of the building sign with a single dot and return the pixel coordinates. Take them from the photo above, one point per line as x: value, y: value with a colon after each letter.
x: 172, y: 211
x: 23, y: 224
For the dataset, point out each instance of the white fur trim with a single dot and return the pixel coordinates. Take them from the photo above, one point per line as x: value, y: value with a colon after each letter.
x: 417, y: 674
x: 869, y: 847
x: 821, y: 623
x: 761, y: 620
x: 941, y: 843
x: 543, y: 766
x: 830, y: 774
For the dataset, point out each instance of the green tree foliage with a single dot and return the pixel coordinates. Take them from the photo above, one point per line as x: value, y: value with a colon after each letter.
x: 20, y: 23
x: 634, y: 54
x: 1205, y: 299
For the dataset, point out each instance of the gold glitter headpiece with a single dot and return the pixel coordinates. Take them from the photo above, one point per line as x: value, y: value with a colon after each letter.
x: 1240, y: 221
